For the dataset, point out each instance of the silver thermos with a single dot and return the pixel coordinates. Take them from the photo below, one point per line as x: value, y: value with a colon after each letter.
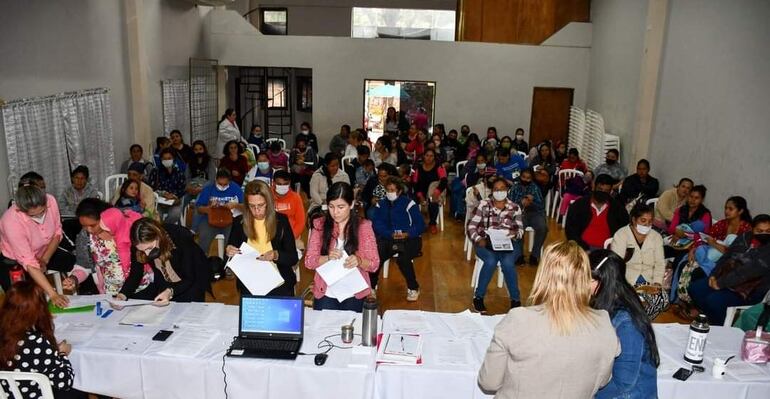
x: 369, y: 327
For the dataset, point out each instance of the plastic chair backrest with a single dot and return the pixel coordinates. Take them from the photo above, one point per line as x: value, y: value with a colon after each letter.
x: 43, y: 384
x: 348, y: 160
x: 566, y: 174
x: 459, y: 167
x: 523, y: 154
x: 607, y: 243
x: 254, y: 149
x: 112, y: 185
x: 270, y: 141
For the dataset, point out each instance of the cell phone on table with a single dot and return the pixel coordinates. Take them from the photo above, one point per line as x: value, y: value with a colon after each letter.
x: 162, y: 335
x: 683, y: 374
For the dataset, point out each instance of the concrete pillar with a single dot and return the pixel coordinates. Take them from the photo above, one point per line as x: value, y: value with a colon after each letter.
x: 137, y: 66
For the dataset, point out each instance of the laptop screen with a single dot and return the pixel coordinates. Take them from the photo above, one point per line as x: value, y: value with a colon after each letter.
x: 263, y: 315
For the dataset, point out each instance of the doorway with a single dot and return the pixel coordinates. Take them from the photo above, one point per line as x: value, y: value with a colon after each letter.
x: 550, y: 114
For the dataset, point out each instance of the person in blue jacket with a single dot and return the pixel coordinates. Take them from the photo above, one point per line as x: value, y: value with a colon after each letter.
x: 398, y: 225
x: 634, y: 373
x: 509, y: 166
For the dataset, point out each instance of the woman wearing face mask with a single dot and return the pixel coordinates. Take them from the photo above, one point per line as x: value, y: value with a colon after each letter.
x: 290, y: 204
x: 262, y: 171
x: 641, y: 247
x: 268, y: 232
x: 312, y: 140
x: 496, y: 213
x: 323, y: 178
x: 507, y: 144
x: 234, y: 162
x: 374, y: 190
x: 222, y: 193
x: 518, y: 142
x: 430, y: 181
x: 30, y: 232
x: 398, y: 225
x: 634, y: 373
x: 721, y: 234
x: 256, y: 137
x: 182, y: 271
x: 340, y: 233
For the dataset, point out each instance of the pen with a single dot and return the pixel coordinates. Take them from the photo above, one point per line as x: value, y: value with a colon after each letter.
x: 107, y: 313
x: 99, y: 308
x: 402, y: 344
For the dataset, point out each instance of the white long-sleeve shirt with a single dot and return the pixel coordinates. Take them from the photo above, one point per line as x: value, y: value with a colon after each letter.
x: 227, y: 131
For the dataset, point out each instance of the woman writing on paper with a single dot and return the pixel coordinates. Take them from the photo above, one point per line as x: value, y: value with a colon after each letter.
x: 182, y: 271
x: 341, y: 231
x: 268, y: 232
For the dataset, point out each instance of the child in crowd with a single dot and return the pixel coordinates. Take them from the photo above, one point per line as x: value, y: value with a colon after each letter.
x: 129, y: 197
x: 364, y: 173
x: 278, y: 159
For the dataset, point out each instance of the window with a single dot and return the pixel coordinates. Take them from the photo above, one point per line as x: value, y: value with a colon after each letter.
x: 415, y: 99
x: 304, y: 93
x: 394, y: 23
x: 276, y: 93
x: 273, y: 21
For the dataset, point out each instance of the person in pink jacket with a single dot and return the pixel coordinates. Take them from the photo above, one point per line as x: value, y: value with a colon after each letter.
x: 339, y: 233
x: 30, y: 232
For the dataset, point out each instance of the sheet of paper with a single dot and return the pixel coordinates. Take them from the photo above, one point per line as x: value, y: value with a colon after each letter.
x: 334, y: 270
x: 198, y: 314
x: 402, y: 344
x: 405, y: 321
x: 77, y: 301
x: 743, y: 371
x: 258, y: 276
x: 465, y: 324
x: 347, y: 286
x: 188, y: 343
x: 145, y: 315
x: 161, y: 200
x: 119, y: 343
x: 451, y: 351
x: 76, y: 333
x: 500, y: 240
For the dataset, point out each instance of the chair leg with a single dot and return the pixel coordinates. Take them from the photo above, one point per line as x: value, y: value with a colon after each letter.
x: 500, y: 278
x: 476, y: 272
x: 386, y: 268
x: 548, y: 203
x: 441, y: 216
x: 530, y: 239
x: 220, y: 245
x: 296, y: 271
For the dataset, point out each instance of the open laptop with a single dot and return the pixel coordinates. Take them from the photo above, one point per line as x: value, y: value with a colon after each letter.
x: 269, y: 327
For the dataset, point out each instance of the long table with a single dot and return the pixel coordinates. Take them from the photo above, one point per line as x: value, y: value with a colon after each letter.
x: 122, y: 361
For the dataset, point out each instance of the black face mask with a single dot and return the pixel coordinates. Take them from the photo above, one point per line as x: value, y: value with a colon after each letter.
x: 154, y: 254
x: 611, y: 161
x: 464, y: 133
x: 525, y: 183
x: 763, y: 238
x: 601, y: 197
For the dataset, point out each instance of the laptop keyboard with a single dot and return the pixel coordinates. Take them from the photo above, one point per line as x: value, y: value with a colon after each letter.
x: 265, y: 345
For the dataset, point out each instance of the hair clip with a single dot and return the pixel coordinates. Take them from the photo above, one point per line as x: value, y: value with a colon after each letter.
x: 602, y: 262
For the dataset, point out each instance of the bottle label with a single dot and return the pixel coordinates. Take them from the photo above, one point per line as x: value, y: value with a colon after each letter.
x: 696, y: 343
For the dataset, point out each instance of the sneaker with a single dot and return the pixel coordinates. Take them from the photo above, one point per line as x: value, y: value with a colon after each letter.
x: 478, y: 305
x: 520, y: 260
x: 433, y: 229
x: 412, y: 295
x: 515, y: 303
x: 533, y: 261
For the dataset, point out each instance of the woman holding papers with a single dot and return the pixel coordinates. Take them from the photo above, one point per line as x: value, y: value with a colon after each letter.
x: 269, y: 233
x: 340, y: 241
x: 182, y: 271
x: 496, y: 221
x: 557, y: 347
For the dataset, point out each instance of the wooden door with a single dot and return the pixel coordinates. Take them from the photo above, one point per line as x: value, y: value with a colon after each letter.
x: 550, y: 114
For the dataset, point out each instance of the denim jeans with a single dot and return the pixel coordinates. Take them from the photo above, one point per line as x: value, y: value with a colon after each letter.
x: 507, y: 261
x: 206, y: 234
x: 536, y: 220
x: 714, y: 303
x: 326, y: 303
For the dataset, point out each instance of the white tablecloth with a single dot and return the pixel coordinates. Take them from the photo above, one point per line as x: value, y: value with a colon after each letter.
x: 142, y: 372
x: 435, y: 380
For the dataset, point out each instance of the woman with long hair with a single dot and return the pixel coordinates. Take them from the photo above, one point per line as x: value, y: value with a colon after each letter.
x: 233, y: 161
x: 227, y: 131
x: 181, y: 268
x: 267, y: 231
x: 341, y: 233
x: 557, y: 346
x: 634, y: 373
x: 28, y: 344
x: 430, y: 182
x: 331, y: 172
x: 641, y: 248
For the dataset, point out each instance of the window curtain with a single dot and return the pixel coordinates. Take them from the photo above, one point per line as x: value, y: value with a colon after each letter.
x: 53, y: 135
x: 176, y: 107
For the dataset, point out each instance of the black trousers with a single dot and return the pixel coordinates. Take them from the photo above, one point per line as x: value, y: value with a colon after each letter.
x: 284, y: 289
x: 405, y: 258
x: 61, y: 261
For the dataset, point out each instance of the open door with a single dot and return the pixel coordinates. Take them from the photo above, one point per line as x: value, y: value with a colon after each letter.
x: 550, y: 114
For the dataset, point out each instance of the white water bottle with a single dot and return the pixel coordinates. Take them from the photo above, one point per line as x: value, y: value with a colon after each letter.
x: 696, y: 341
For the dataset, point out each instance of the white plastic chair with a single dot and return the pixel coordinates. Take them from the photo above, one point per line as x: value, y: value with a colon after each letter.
x: 386, y: 266
x: 530, y: 232
x: 11, y: 377
x: 653, y: 202
x: 563, y: 175
x: 467, y: 245
x: 607, y: 243
x: 348, y: 160
x: 56, y: 281
x: 523, y: 155
x: 220, y: 238
x: 254, y: 149
x: 270, y: 141
x: 459, y: 167
x: 564, y: 219
x: 731, y: 314
x: 477, y: 270
x: 112, y: 184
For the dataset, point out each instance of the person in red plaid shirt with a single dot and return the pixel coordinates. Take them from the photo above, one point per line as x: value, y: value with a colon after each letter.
x: 496, y: 213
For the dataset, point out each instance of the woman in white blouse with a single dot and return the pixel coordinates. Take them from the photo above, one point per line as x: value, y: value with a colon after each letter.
x: 641, y: 247
x: 228, y: 130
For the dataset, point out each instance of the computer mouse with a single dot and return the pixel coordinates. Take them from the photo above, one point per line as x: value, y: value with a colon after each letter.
x: 320, y: 359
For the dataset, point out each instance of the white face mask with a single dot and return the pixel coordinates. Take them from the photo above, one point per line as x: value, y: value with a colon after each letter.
x: 391, y: 196
x: 499, y: 195
x: 222, y: 188
x: 168, y: 163
x: 263, y: 166
x: 519, y: 137
x: 481, y: 166
x: 643, y: 230
x: 305, y: 131
x: 281, y: 189
x: 39, y: 219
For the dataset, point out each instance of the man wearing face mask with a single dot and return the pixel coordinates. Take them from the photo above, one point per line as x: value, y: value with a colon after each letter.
x: 527, y: 195
x: 398, y: 226
x: 741, y: 277
x: 256, y: 137
x: 612, y: 167
x: 306, y: 133
x: 593, y: 219
x: 223, y: 192
x: 289, y: 203
x: 518, y: 141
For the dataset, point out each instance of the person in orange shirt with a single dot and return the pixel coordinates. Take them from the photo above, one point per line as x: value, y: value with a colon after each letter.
x: 289, y: 203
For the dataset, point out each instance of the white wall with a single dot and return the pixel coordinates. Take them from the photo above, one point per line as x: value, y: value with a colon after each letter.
x: 616, y: 54
x: 476, y: 83
x: 712, y: 113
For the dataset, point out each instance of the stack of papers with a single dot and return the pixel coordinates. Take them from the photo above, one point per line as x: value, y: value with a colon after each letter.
x: 145, y: 315
x: 189, y: 343
x: 258, y: 276
x: 342, y: 283
x: 465, y: 324
x: 404, y: 349
x: 405, y: 321
x: 500, y: 240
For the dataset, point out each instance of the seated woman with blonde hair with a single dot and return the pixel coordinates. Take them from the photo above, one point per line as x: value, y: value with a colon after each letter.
x: 557, y: 347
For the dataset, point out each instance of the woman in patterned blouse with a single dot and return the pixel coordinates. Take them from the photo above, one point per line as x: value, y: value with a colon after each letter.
x: 27, y: 343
